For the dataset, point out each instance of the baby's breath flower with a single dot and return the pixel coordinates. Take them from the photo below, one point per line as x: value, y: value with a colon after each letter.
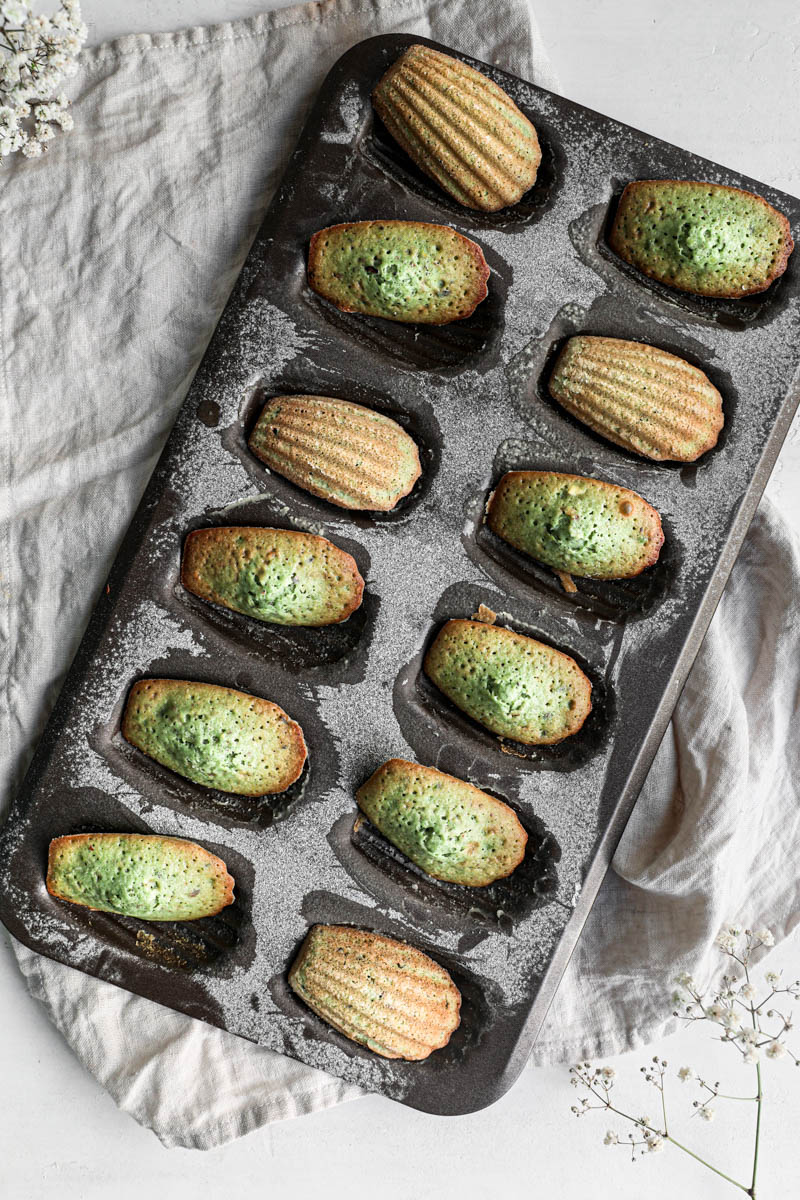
x: 727, y: 1005
x: 36, y: 54
x: 14, y: 12
x: 37, y: 25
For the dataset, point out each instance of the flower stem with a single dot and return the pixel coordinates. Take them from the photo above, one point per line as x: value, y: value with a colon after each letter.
x: 664, y: 1108
x: 747, y: 1190
x: 759, y: 1098
x: 679, y: 1145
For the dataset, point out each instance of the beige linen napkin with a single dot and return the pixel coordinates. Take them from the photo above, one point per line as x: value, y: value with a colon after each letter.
x: 130, y: 233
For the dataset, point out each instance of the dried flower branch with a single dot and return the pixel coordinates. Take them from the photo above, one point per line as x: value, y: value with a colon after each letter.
x: 753, y: 1027
x: 36, y: 55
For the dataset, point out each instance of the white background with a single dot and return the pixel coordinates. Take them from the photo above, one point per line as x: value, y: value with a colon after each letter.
x: 722, y: 78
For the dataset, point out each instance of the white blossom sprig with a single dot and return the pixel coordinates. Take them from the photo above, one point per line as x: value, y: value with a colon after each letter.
x: 754, y: 1027
x: 37, y: 54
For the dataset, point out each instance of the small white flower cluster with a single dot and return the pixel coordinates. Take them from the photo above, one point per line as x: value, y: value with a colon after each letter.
x: 652, y: 1140
x: 599, y: 1081
x: 36, y: 55
x: 753, y: 1026
x: 735, y: 1004
x: 728, y: 939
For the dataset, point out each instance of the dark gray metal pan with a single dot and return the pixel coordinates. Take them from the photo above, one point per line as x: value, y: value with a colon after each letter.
x: 472, y: 394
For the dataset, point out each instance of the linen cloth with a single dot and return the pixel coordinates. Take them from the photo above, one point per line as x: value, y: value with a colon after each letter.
x: 129, y: 236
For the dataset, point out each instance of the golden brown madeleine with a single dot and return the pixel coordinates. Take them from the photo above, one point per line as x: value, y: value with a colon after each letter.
x: 379, y: 992
x: 408, y: 271
x: 459, y: 127
x: 509, y: 683
x: 586, y: 527
x: 639, y: 397
x: 449, y: 828
x: 283, y: 576
x: 344, y: 453
x: 139, y: 875
x: 701, y: 237
x: 215, y: 736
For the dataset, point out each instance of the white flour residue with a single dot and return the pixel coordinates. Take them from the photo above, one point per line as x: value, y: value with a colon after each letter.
x: 351, y: 116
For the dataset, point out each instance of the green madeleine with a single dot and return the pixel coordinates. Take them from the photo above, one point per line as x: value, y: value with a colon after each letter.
x: 583, y: 526
x: 282, y: 576
x: 450, y: 829
x: 401, y: 270
x: 139, y: 875
x: 701, y: 237
x: 342, y: 452
x: 215, y: 736
x: 513, y: 685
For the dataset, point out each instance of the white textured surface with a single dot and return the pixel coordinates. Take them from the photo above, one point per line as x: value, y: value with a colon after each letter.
x: 722, y: 82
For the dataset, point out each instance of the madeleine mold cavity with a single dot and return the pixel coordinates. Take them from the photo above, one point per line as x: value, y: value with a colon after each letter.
x: 473, y: 395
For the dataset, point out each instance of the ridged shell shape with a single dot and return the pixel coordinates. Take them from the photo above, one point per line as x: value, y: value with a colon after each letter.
x: 381, y: 993
x: 640, y: 397
x: 344, y: 453
x: 459, y: 127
